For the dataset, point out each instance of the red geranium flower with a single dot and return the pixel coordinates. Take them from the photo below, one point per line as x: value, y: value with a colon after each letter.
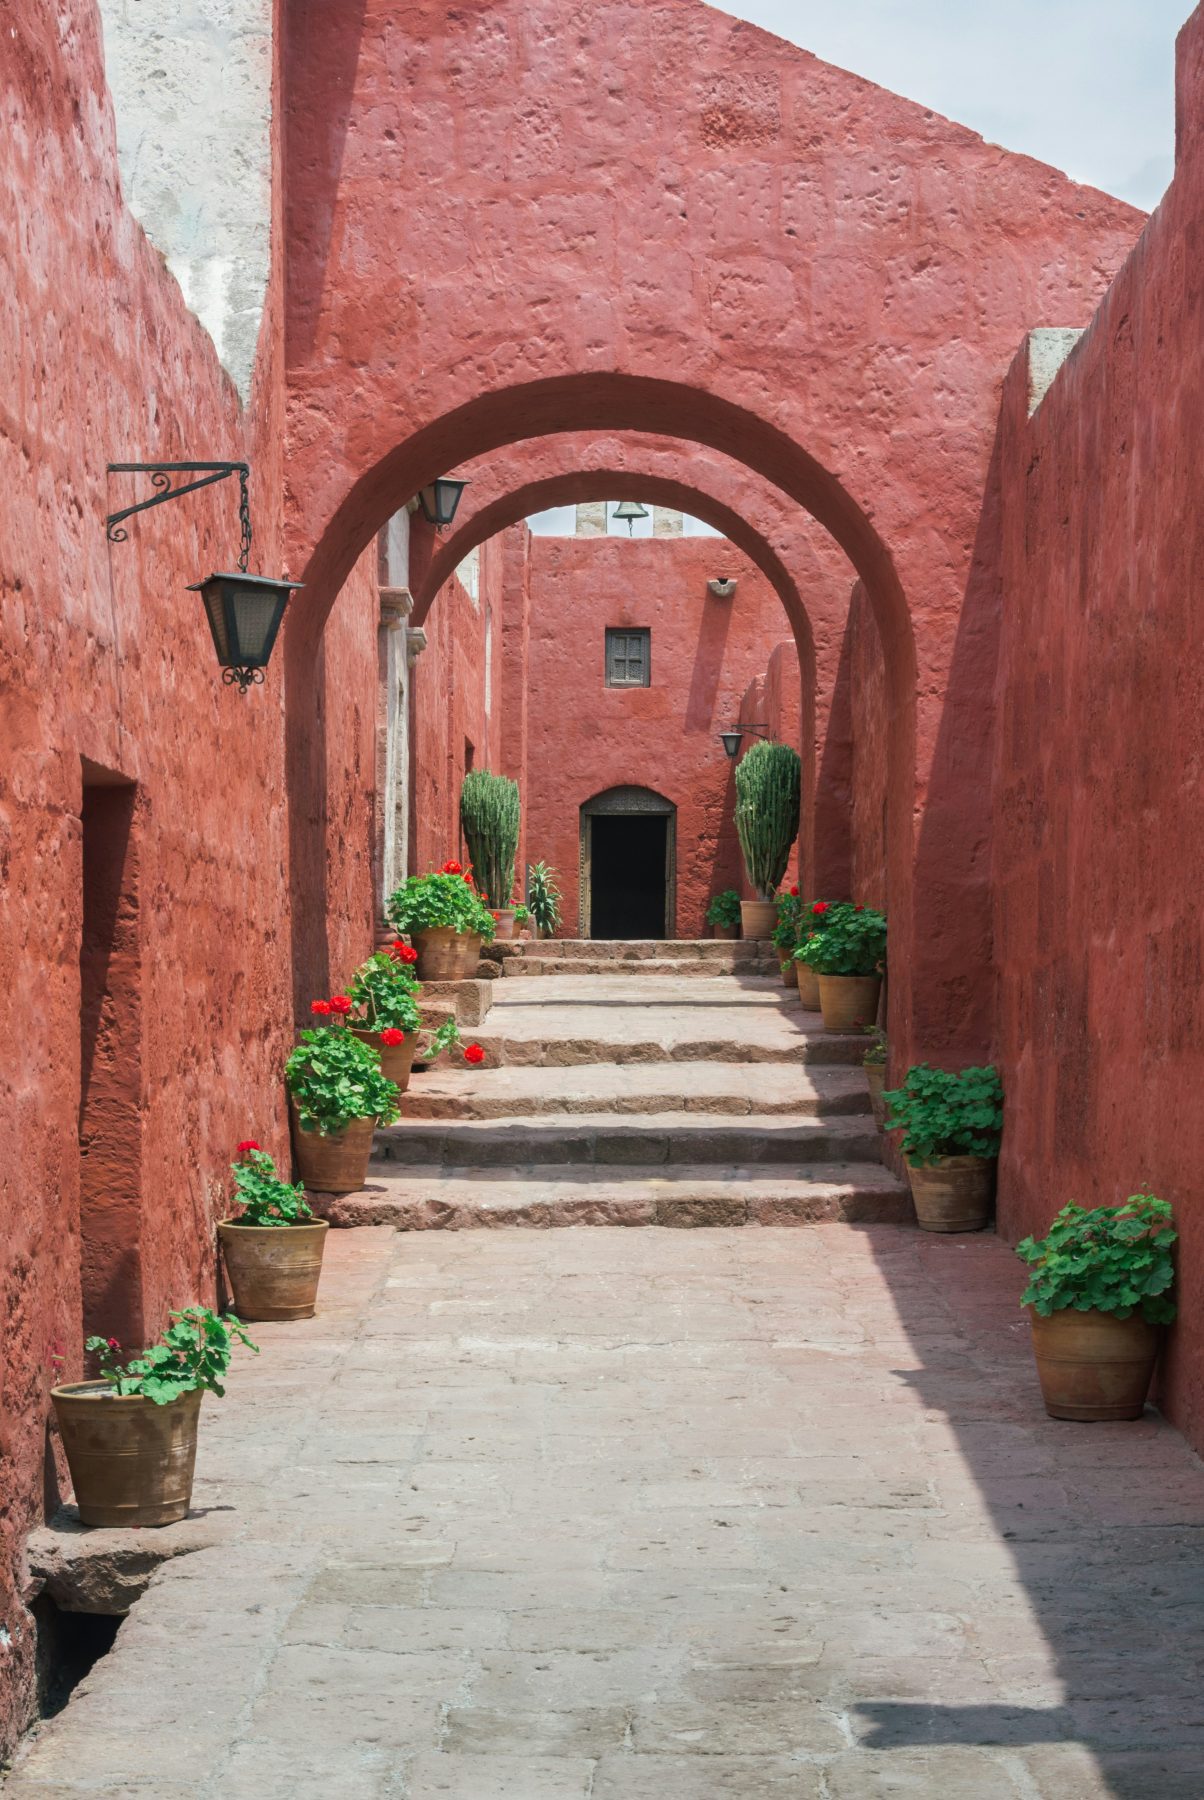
x: 392, y: 1037
x: 403, y: 952
x: 473, y: 1053
x: 451, y: 868
x: 794, y: 892
x: 113, y: 1344
x: 248, y: 1144
x: 821, y: 906
x: 321, y: 1007
x: 341, y: 1003
x: 859, y: 909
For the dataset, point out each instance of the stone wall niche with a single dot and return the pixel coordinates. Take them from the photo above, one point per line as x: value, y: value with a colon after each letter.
x: 110, y: 1099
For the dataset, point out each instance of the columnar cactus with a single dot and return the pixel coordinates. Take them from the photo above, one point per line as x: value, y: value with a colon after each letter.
x: 489, y: 812
x: 767, y: 812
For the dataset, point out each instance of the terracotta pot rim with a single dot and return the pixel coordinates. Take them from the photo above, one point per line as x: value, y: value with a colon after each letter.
x: 101, y: 1391
x: 372, y: 1119
x: 281, y: 1225
x: 1090, y: 1312
x: 948, y: 1162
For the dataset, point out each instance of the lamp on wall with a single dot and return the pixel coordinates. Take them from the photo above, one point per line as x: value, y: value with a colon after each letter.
x: 734, y: 737
x: 244, y: 611
x: 630, y: 511
x: 439, y: 500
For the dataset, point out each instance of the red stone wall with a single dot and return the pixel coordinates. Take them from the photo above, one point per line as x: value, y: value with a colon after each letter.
x: 1099, y: 850
x: 160, y: 1035
x: 584, y: 737
x: 450, y: 709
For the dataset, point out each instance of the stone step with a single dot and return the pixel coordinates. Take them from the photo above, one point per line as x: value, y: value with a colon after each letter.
x: 722, y: 1089
x: 620, y: 950
x: 517, y: 1042
x: 678, y: 1196
x: 643, y: 1140
x: 688, y: 968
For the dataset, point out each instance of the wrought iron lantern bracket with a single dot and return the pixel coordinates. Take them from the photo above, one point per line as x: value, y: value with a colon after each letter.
x: 161, y: 478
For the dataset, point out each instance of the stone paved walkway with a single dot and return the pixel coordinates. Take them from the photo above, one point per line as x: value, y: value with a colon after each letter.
x: 657, y: 1515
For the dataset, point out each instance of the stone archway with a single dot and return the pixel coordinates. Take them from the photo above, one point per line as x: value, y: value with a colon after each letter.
x: 644, y: 807
x: 762, y: 254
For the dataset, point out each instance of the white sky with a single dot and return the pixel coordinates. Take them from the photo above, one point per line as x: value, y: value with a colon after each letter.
x: 1087, y: 85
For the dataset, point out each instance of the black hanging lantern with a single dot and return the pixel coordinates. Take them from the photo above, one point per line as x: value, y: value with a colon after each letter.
x: 244, y: 611
x: 439, y: 500
x: 734, y: 737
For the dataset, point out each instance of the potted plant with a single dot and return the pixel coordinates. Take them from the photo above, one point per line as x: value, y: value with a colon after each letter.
x: 273, y: 1248
x: 337, y: 1097
x: 952, y: 1125
x: 723, y: 914
x: 447, y: 920
x: 522, y: 921
x: 543, y: 897
x: 767, y: 815
x: 130, y: 1437
x: 811, y: 922
x: 386, y: 992
x: 1099, y: 1289
x: 847, y: 955
x: 874, y: 1064
x: 785, y: 933
x: 490, y: 813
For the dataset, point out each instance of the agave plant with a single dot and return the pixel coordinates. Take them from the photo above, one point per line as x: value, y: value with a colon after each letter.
x: 543, y: 898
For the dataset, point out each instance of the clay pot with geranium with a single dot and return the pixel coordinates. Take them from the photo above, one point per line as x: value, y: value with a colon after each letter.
x: 951, y: 1124
x: 723, y: 914
x: 389, y: 1019
x: 848, y: 955
x: 1099, y: 1292
x: 812, y: 919
x: 786, y: 933
x: 273, y: 1247
x: 447, y: 921
x: 130, y: 1437
x: 337, y: 1097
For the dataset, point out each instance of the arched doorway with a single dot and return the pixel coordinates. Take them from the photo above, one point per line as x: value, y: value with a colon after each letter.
x: 628, y: 865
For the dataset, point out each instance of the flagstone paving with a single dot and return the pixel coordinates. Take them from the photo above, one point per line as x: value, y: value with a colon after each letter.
x: 656, y: 1515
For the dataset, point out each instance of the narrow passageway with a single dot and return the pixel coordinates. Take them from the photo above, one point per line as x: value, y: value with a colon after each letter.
x: 656, y: 1515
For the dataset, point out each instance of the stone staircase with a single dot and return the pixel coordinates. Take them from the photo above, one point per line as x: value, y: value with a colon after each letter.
x: 635, y: 1084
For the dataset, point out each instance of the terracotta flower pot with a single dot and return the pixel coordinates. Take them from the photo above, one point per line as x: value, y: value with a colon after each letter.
x: 335, y: 1162
x: 274, y: 1270
x: 396, y: 1060
x: 758, y: 918
x: 447, y: 955
x: 725, y: 931
x: 131, y: 1461
x: 808, y: 986
x: 953, y: 1193
x: 504, y: 922
x: 849, y: 1001
x: 1093, y: 1365
x: 875, y: 1080
x: 789, y: 978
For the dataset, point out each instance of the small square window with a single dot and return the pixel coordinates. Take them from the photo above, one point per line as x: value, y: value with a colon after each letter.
x: 629, y: 658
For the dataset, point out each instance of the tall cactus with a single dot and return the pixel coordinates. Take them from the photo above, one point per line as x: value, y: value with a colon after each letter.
x: 767, y: 812
x: 489, y: 812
